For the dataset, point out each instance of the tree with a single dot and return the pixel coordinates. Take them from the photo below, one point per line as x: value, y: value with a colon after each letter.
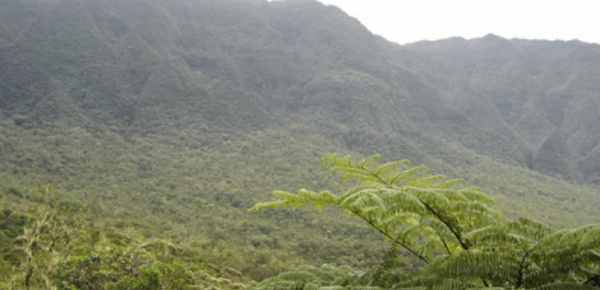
x: 50, y: 233
x: 61, y: 249
x: 460, y: 240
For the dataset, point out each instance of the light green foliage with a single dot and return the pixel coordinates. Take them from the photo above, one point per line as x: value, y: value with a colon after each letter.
x: 418, y: 212
x: 60, y: 248
x: 53, y: 229
x: 461, y: 241
x: 11, y: 226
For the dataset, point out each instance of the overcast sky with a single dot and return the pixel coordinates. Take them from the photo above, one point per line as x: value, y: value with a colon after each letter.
x: 405, y: 21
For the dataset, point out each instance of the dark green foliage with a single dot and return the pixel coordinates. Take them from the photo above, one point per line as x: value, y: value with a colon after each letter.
x: 308, y: 277
x: 11, y: 226
x: 128, y: 268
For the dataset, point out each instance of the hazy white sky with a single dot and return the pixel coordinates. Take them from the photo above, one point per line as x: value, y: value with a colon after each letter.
x: 405, y: 21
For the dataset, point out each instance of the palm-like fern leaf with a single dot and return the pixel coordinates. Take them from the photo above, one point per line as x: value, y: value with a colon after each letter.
x: 451, y: 227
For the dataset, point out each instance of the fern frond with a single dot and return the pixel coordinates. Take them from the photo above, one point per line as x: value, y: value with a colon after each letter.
x: 403, y: 176
x: 403, y: 201
x: 438, y: 227
x: 370, y: 161
x: 591, y: 239
x: 457, y: 182
x: 369, y: 170
x: 332, y: 159
x: 431, y: 181
x: 304, y: 197
x: 401, y: 220
x: 307, y: 268
x: 298, y: 277
x: 565, y: 286
x: 490, y: 264
x: 474, y: 215
x: 434, y: 283
x: 429, y: 196
x: 325, y: 273
x: 275, y: 284
x: 365, y: 187
x: 392, y: 167
x: 495, y: 235
x: 387, y: 264
x: 475, y: 194
x: 530, y: 229
x: 364, y: 288
x: 262, y: 206
x: 591, y: 233
x: 357, y: 173
x: 335, y: 287
x: 363, y: 199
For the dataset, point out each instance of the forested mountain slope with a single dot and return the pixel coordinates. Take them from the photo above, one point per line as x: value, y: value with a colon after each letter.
x: 540, y: 95
x: 193, y: 110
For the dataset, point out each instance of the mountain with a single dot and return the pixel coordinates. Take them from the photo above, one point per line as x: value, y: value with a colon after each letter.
x: 193, y: 110
x: 530, y: 92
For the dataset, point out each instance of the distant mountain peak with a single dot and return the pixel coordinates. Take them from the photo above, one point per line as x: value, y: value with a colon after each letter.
x: 493, y: 37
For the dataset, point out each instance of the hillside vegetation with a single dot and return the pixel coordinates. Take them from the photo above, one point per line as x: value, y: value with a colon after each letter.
x: 170, y: 119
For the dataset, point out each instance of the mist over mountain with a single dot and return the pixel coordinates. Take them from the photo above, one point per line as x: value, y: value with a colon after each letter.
x: 193, y: 110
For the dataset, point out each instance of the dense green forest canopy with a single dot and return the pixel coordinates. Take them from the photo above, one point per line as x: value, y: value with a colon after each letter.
x: 170, y: 118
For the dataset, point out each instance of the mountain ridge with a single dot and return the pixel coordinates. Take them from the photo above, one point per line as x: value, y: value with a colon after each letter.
x: 121, y: 79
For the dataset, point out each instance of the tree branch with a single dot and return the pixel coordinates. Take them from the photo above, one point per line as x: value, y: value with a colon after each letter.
x: 521, y: 266
x: 592, y: 279
x: 454, y: 232
x: 424, y: 259
x: 446, y: 246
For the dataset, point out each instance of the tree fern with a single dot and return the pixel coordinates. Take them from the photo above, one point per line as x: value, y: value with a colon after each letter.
x: 565, y: 286
x: 462, y: 241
